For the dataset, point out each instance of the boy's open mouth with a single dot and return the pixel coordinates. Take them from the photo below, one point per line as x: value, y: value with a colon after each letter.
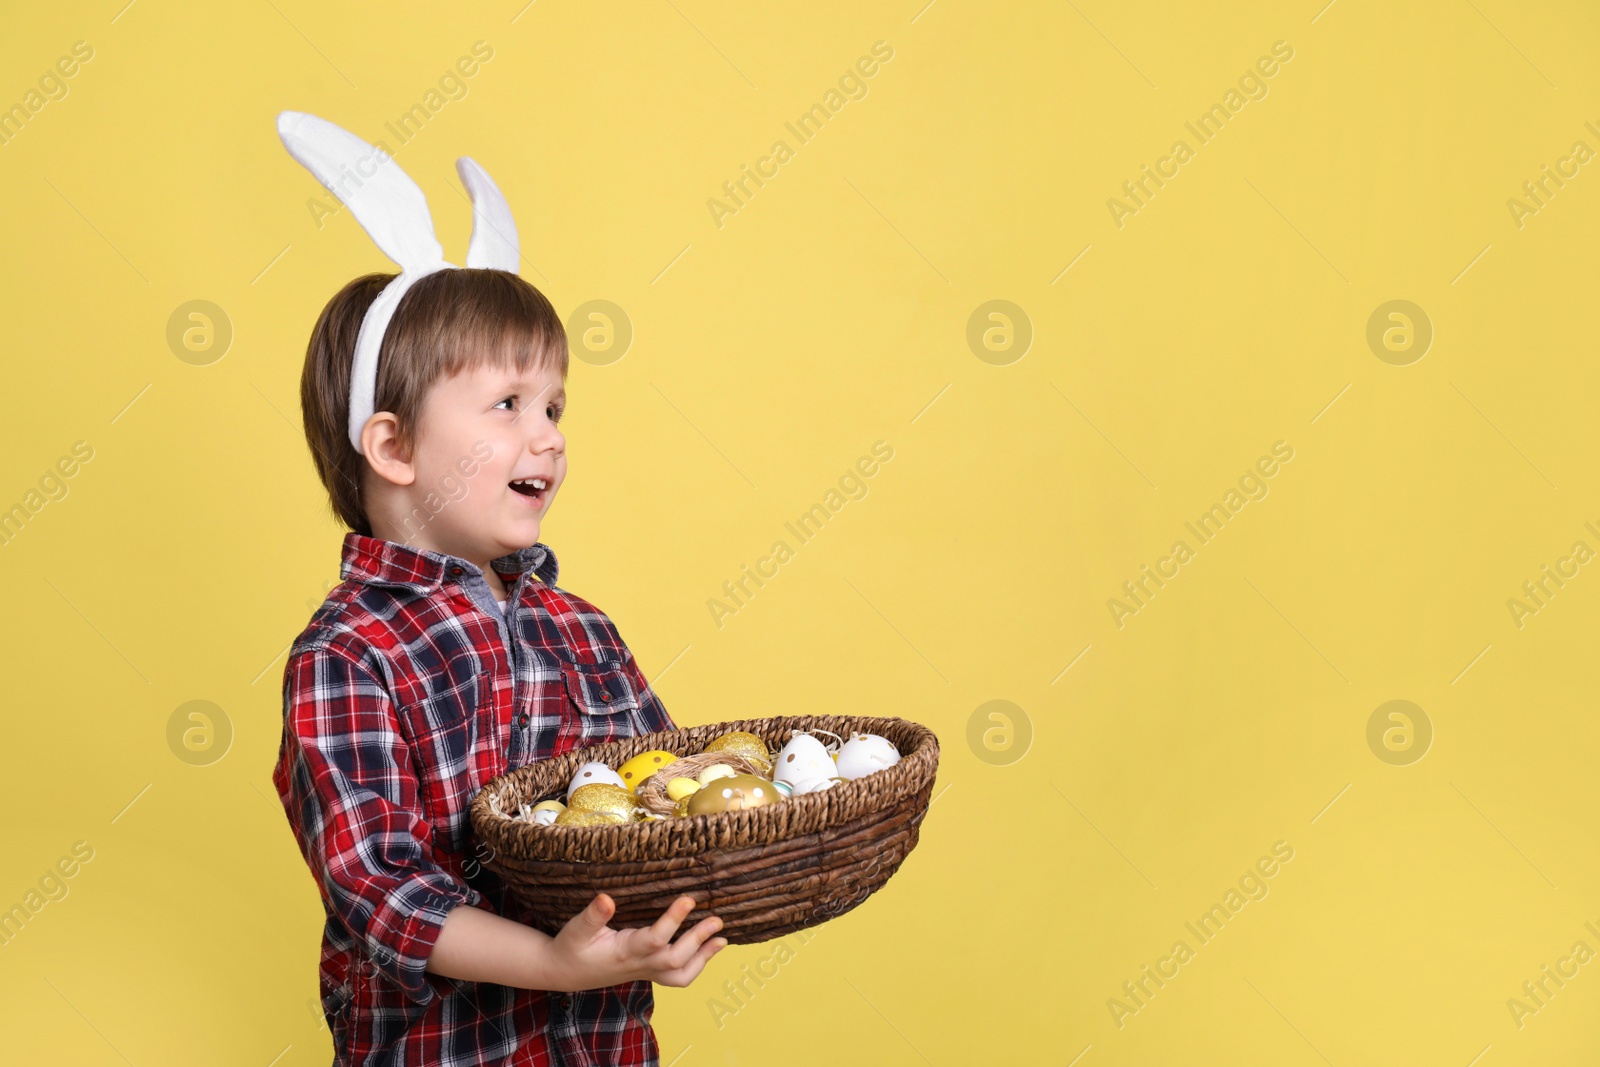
x: 532, y: 488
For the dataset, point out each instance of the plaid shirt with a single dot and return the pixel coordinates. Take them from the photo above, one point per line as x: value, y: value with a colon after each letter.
x: 405, y: 694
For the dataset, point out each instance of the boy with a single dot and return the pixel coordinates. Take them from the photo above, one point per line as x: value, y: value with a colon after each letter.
x: 448, y: 656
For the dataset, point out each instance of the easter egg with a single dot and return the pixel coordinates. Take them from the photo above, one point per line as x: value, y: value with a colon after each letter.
x: 682, y: 807
x: 576, y: 817
x: 715, y: 771
x: 590, y: 773
x: 865, y: 753
x: 748, y: 745
x: 605, y: 798
x: 802, y: 759
x: 643, y: 766
x: 546, y: 811
x: 814, y: 785
x: 679, y: 788
x: 733, y: 794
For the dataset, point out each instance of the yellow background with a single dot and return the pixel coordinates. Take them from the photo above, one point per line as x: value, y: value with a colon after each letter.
x: 770, y: 354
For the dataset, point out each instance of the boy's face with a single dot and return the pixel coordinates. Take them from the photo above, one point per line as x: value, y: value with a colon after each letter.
x: 488, y: 448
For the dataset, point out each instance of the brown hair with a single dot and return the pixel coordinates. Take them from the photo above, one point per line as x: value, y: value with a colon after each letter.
x: 449, y: 321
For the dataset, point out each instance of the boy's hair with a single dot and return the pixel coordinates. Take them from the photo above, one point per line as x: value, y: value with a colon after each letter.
x: 449, y: 321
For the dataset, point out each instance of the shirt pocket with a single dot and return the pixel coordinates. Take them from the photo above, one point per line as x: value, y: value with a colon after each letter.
x: 444, y: 732
x: 452, y: 699
x: 600, y: 689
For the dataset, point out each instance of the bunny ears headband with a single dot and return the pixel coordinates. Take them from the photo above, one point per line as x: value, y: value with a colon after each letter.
x: 393, y: 211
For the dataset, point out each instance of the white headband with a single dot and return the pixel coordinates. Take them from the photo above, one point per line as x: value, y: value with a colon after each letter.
x: 393, y: 211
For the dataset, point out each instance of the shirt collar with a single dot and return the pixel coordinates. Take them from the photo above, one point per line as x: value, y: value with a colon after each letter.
x: 378, y: 562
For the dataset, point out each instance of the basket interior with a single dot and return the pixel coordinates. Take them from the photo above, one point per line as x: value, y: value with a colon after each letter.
x: 907, y: 783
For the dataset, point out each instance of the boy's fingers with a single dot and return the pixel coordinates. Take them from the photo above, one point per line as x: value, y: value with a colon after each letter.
x: 591, y: 920
x: 682, y: 976
x: 662, y: 929
x: 683, y: 949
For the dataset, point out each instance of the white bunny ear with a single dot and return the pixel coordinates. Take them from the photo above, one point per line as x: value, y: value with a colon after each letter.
x: 382, y: 197
x: 494, y: 231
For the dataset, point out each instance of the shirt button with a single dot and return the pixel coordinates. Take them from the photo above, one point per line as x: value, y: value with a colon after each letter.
x: 566, y: 1002
x: 455, y: 572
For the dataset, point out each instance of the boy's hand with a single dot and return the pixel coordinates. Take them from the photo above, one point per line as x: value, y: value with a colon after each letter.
x: 593, y: 955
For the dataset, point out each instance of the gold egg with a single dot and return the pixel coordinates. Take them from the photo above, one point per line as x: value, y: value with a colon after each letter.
x: 715, y: 771
x: 733, y: 794
x: 682, y: 808
x: 575, y: 817
x: 679, y: 788
x: 748, y: 745
x: 606, y: 798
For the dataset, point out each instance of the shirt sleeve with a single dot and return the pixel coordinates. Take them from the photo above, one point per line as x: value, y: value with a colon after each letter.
x: 651, y: 710
x: 345, y: 777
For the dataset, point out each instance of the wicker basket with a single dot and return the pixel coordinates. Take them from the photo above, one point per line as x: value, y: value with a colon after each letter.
x: 764, y: 871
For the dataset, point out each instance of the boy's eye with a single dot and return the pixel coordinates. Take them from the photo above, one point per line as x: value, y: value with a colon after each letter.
x: 554, y: 412
x: 509, y: 403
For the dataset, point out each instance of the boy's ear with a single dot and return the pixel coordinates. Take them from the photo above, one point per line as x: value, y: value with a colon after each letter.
x: 380, y: 444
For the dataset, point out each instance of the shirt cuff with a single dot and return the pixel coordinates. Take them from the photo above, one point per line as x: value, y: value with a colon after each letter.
x: 402, y: 932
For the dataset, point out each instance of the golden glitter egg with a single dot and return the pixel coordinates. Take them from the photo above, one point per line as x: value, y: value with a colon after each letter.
x: 748, y: 745
x: 606, y: 798
x: 642, y: 766
x: 679, y: 788
x: 733, y: 794
x: 682, y: 808
x: 575, y: 817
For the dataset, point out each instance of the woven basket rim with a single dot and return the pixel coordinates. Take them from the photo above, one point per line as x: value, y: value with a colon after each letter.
x: 883, y: 790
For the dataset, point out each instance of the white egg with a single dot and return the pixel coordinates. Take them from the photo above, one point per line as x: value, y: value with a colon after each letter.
x: 812, y: 785
x: 590, y: 773
x: 802, y: 759
x: 865, y: 753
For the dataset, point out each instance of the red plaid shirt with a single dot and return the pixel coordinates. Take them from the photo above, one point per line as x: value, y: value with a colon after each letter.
x: 405, y: 694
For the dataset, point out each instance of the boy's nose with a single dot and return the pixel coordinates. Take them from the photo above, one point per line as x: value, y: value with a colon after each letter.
x: 547, y: 438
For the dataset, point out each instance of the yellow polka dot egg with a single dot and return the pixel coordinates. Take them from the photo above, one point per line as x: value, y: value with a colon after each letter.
x: 642, y: 766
